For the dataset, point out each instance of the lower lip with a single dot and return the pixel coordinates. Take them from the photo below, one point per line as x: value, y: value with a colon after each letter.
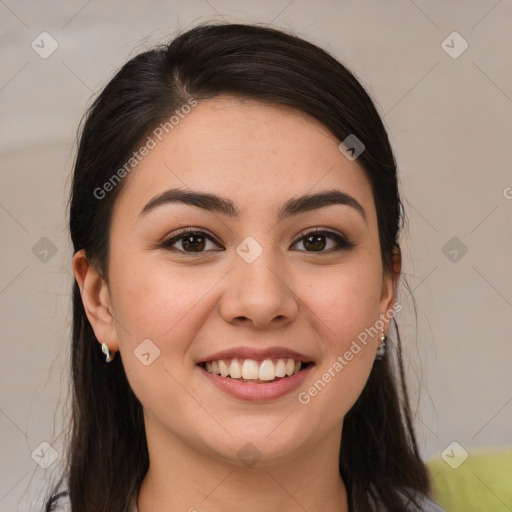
x: 257, y: 392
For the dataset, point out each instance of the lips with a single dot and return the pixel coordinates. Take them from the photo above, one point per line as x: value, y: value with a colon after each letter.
x: 257, y: 354
x: 276, y: 371
x: 251, y: 370
x: 257, y: 391
x: 257, y: 365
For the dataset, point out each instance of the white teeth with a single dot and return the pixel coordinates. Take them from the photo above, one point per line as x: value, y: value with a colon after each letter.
x: 280, y: 368
x: 267, y: 371
x: 223, y: 368
x: 235, y: 370
x: 249, y: 369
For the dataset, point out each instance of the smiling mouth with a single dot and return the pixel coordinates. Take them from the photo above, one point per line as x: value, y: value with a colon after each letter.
x: 255, y: 372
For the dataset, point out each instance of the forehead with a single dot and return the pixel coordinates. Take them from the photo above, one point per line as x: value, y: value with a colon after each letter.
x: 257, y: 154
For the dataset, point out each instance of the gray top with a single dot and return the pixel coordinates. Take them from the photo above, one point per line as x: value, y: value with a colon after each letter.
x: 426, y: 506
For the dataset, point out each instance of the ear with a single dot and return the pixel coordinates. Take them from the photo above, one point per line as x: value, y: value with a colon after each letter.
x: 96, y: 300
x: 389, y: 286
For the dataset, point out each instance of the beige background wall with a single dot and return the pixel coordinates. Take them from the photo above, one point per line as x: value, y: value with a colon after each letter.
x: 450, y: 124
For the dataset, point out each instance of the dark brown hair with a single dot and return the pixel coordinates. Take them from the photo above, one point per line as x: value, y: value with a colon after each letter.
x: 107, y: 453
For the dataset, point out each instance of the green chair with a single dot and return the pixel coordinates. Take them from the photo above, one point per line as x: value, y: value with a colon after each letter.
x: 477, y: 480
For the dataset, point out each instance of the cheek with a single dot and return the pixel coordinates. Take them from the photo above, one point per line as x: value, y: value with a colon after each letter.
x: 164, y: 307
x: 346, y: 301
x: 156, y: 302
x: 346, y: 307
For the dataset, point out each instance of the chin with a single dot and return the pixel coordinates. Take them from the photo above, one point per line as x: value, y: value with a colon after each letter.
x: 258, y: 444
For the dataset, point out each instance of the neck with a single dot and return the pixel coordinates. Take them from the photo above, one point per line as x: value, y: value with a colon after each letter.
x: 182, y: 478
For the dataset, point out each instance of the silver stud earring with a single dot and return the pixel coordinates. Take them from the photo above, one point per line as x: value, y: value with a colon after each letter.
x: 106, y: 351
x: 382, y: 347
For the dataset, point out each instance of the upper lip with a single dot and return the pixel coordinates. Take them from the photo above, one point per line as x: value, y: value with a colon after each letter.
x: 256, y: 354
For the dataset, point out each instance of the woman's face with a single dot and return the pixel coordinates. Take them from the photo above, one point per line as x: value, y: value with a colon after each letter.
x: 254, y: 282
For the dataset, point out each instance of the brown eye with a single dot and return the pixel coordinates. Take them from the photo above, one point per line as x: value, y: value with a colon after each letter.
x: 324, y: 241
x: 314, y: 242
x: 193, y: 243
x: 189, y: 241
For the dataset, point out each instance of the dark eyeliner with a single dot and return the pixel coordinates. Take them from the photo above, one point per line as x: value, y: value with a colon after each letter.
x: 343, y: 242
x: 167, y: 243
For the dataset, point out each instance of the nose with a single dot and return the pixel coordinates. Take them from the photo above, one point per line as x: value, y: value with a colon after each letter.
x: 258, y: 294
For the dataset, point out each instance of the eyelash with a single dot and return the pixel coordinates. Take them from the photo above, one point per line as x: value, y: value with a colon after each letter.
x: 342, y: 241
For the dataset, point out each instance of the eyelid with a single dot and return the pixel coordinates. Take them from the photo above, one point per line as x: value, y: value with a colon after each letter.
x: 342, y: 241
x: 168, y: 241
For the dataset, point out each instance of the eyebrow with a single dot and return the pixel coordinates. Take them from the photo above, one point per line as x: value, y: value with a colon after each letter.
x: 214, y: 203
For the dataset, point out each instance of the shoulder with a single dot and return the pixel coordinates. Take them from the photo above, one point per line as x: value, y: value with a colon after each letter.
x: 428, y: 506
x: 64, y: 505
x: 424, y: 504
